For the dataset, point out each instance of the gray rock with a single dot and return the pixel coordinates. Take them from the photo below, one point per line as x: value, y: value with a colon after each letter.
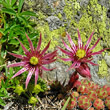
x: 55, y: 3
x: 83, y: 3
x: 59, y: 73
x: 107, y: 59
x: 94, y: 71
x: 104, y: 3
x: 54, y: 22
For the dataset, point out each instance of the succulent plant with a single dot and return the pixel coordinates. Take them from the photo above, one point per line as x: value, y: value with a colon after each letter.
x: 107, y: 102
x: 92, y: 95
x: 84, y: 81
x: 72, y: 103
x: 107, y: 88
x: 92, y: 85
x: 101, y: 93
x: 91, y: 108
x: 19, y: 89
x: 83, y: 89
x: 83, y: 102
x: 74, y: 94
x: 33, y: 100
x: 98, y: 104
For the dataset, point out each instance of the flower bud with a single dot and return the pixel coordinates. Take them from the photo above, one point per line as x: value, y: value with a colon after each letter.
x: 19, y: 89
x: 32, y: 100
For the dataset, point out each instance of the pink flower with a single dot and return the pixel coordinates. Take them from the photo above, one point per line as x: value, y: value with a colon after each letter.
x: 84, y: 70
x: 33, y: 60
x: 73, y: 82
x: 79, y: 53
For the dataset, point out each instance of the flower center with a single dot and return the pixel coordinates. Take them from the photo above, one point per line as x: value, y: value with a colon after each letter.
x: 34, y: 60
x: 80, y: 53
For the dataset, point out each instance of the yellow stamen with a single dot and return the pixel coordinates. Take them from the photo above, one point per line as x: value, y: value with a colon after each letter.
x: 34, y: 60
x: 80, y: 53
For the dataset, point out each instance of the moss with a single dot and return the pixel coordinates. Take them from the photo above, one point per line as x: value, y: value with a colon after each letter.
x: 103, y: 69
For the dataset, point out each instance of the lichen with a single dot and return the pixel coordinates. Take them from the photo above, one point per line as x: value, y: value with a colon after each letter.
x: 48, y: 35
x: 103, y: 69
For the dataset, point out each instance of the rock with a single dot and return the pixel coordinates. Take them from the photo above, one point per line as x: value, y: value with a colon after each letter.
x: 94, y: 71
x: 55, y: 3
x: 83, y: 3
x: 59, y: 73
x: 107, y: 59
x: 54, y: 22
x: 104, y: 3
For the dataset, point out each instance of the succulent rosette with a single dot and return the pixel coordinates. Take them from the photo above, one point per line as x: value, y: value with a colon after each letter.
x: 79, y: 54
x: 33, y: 60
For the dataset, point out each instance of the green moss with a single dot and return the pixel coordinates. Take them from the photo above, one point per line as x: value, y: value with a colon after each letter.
x: 103, y: 69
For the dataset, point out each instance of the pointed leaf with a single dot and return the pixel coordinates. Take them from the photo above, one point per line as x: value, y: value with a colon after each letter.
x: 9, y: 11
x: 20, y: 5
x: 66, y: 103
x: 21, y: 18
x: 13, y: 2
x: 29, y: 13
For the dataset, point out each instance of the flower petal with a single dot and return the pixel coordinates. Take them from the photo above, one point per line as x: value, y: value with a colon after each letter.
x: 48, y: 61
x: 36, y: 75
x: 23, y: 47
x: 72, y: 66
x: 45, y: 49
x: 66, y: 52
x: 20, y: 72
x: 94, y: 45
x: 66, y: 59
x: 50, y: 55
x: 39, y: 43
x: 17, y: 64
x: 99, y: 52
x: 93, y: 63
x: 29, y: 76
x: 16, y: 55
x: 71, y: 42
x: 68, y: 48
x: 30, y: 43
x: 79, y: 40
x: 88, y: 42
x: 86, y: 60
x: 44, y: 68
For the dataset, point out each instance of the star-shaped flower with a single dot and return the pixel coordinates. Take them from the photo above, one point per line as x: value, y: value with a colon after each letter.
x: 33, y: 60
x: 79, y: 54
